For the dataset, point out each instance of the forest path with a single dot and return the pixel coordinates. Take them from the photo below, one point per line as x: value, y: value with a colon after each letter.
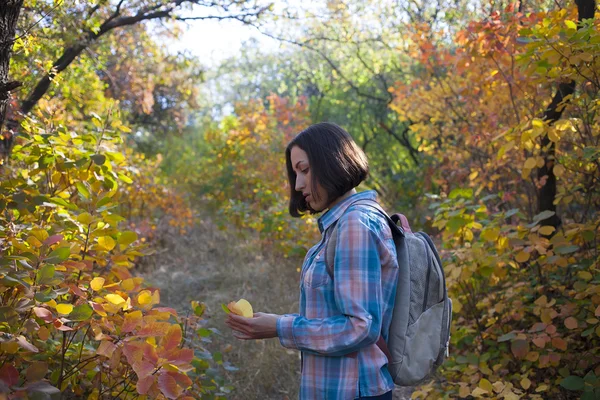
x: 215, y: 267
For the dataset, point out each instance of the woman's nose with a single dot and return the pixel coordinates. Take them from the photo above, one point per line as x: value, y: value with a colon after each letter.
x: 299, y: 183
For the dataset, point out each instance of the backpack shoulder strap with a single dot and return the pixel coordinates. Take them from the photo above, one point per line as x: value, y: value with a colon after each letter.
x: 396, y: 231
x: 392, y: 222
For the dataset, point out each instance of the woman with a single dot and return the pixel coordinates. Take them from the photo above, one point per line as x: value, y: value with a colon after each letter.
x: 342, y: 313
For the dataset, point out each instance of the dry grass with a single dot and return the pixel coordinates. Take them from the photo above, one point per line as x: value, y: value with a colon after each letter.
x: 216, y: 267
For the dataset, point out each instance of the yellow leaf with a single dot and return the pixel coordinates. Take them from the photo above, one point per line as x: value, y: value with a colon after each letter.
x: 546, y: 230
x: 144, y: 298
x: 538, y: 123
x: 525, y: 383
x: 522, y: 257
x: 97, y: 283
x: 486, y: 385
x: 584, y: 275
x: 464, y: 391
x: 571, y: 24
x: 456, y: 306
x: 473, y: 175
x: 115, y: 299
x: 242, y: 307
x: 128, y: 284
x: 64, y: 308
x: 491, y: 234
x: 9, y: 347
x: 107, y: 243
x: 530, y: 163
x: 85, y: 218
x: 468, y: 235
x: 558, y: 170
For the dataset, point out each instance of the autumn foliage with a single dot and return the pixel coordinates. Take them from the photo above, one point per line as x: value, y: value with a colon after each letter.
x: 526, y: 295
x: 74, y: 318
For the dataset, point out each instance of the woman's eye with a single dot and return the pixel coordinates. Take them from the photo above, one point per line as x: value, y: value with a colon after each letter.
x: 305, y: 171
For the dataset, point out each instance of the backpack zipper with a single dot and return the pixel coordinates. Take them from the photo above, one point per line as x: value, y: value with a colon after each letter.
x: 428, y: 273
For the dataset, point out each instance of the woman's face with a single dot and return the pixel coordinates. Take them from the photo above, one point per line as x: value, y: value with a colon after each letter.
x: 316, y: 197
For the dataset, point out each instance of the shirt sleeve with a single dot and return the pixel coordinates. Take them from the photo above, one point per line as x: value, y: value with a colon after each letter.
x: 357, y: 292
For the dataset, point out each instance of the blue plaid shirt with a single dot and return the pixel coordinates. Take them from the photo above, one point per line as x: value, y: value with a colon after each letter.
x: 342, y: 317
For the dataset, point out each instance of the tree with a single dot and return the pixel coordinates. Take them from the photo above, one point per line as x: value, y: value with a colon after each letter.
x: 9, y: 14
x: 102, y: 18
x: 547, y: 191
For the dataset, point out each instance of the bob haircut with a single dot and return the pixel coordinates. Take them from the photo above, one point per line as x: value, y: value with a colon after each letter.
x: 336, y: 162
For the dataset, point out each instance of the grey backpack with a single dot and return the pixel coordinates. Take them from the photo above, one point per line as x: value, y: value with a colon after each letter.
x: 420, y: 329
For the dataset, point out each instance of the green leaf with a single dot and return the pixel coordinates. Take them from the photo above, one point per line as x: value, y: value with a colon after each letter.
x: 82, y: 189
x: 58, y: 255
x: 567, y: 249
x: 507, y: 337
x: 63, y: 202
x: 45, y: 295
x: 98, y: 159
x: 573, y: 383
x: 81, y: 313
x: 124, y: 178
x: 45, y: 274
x: 467, y: 193
x: 543, y: 215
x: 224, y: 307
x: 203, y: 332
x: 127, y: 237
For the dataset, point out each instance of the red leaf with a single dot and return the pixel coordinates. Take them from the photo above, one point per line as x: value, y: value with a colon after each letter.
x: 143, y: 369
x: 77, y: 290
x: 26, y: 345
x: 168, y: 386
x: 131, y: 321
x: 44, y: 314
x: 539, y: 342
x: 571, y: 323
x: 182, y: 379
x: 133, y: 352
x: 53, y: 239
x: 150, y: 353
x: 144, y: 384
x: 519, y: 348
x: 173, y: 338
x: 154, y: 329
x: 60, y: 326
x: 9, y: 375
x: 180, y: 356
x: 559, y: 343
x: 166, y: 309
x: 78, y: 265
x: 106, y: 349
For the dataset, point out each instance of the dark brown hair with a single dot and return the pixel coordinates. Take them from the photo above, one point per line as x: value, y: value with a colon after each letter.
x: 336, y: 163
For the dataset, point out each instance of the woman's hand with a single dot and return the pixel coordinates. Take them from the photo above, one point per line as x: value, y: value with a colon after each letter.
x: 261, y: 326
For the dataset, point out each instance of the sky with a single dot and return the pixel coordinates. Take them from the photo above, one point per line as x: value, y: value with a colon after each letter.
x: 213, y: 41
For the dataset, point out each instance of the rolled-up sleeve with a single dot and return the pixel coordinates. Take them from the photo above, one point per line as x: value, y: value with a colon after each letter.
x: 357, y: 294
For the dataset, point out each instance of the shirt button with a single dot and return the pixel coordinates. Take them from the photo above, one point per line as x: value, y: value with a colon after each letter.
x: 370, y: 317
x: 318, y: 257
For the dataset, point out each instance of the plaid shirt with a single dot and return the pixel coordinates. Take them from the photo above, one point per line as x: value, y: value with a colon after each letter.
x: 341, y: 319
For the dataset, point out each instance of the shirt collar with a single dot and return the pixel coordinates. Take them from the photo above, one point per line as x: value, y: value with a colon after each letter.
x: 338, y: 210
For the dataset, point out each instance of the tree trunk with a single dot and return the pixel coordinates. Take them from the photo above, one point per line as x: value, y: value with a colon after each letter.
x: 9, y: 14
x: 547, y: 193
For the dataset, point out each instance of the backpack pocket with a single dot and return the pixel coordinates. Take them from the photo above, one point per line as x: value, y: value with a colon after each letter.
x: 422, y: 347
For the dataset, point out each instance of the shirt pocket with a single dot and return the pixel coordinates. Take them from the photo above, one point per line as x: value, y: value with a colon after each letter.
x: 316, y: 275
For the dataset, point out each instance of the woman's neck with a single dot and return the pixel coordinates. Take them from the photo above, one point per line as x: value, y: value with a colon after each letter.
x: 341, y: 198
